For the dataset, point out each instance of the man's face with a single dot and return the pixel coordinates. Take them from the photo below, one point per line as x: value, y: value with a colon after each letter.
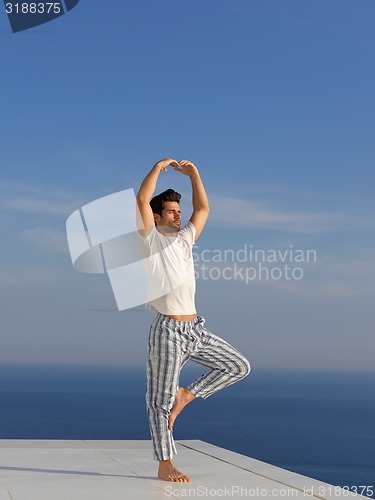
x: 171, y: 216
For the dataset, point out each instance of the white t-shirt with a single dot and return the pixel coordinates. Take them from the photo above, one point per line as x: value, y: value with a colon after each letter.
x: 170, y: 269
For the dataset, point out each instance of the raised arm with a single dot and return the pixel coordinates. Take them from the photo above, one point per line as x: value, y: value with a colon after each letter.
x: 146, y: 192
x: 201, y: 206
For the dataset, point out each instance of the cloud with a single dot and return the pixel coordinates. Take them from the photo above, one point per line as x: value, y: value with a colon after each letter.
x: 19, y: 197
x: 240, y: 212
x: 49, y: 239
x: 32, y: 275
x: 45, y: 207
x: 226, y: 211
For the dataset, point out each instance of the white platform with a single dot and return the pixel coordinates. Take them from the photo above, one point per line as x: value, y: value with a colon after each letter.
x: 125, y: 470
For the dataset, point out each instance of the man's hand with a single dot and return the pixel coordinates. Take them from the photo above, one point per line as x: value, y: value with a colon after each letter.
x: 163, y: 164
x: 186, y: 167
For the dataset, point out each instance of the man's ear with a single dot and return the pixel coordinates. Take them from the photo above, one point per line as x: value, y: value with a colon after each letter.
x: 156, y: 217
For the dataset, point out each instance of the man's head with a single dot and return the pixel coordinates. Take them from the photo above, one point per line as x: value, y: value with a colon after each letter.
x: 166, y: 209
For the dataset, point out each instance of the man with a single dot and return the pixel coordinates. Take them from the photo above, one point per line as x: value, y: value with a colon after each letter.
x: 177, y: 333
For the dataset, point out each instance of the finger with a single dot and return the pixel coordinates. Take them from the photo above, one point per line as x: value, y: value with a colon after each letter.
x: 168, y: 161
x: 173, y: 162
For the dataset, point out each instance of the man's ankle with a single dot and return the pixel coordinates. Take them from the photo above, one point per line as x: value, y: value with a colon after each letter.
x: 165, y: 462
x: 188, y: 393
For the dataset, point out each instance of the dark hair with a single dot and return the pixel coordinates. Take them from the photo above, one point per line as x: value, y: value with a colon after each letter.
x: 157, y: 202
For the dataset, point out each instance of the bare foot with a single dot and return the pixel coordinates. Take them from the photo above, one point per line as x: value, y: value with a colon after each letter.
x: 183, y: 397
x: 168, y: 472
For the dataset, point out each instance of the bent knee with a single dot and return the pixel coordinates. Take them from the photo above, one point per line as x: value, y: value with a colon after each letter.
x: 245, y: 368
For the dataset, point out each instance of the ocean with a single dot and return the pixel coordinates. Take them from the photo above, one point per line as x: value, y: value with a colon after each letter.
x: 319, y: 424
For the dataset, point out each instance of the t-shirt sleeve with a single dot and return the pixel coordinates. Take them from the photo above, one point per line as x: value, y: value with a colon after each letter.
x: 188, y: 233
x: 146, y: 243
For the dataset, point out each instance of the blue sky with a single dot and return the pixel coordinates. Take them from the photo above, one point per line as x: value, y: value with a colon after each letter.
x: 274, y: 103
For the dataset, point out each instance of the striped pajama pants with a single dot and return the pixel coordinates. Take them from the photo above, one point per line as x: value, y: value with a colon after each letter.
x: 171, y: 343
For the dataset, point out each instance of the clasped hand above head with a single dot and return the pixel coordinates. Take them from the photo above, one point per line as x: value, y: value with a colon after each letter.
x: 185, y: 167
